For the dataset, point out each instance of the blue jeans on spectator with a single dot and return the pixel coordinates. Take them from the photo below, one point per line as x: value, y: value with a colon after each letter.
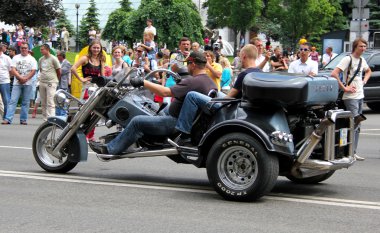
x: 5, y: 91
x: 193, y: 101
x: 17, y: 91
x: 356, y: 107
x: 139, y: 126
x: 31, y: 42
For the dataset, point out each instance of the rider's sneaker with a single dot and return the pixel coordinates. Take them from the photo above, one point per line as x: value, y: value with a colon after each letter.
x: 98, y: 147
x: 359, y: 158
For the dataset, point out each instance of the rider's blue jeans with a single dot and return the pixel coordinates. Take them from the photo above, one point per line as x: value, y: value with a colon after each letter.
x: 193, y: 102
x: 139, y: 126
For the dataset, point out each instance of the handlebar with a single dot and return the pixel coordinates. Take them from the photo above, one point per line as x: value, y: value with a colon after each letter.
x: 177, y: 77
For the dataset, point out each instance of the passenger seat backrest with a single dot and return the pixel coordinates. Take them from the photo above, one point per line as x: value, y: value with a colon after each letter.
x: 212, y: 93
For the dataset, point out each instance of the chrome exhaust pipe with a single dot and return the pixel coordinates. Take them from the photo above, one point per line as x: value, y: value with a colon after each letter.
x: 322, y: 165
x: 149, y: 153
x: 307, y: 148
x: 314, y: 167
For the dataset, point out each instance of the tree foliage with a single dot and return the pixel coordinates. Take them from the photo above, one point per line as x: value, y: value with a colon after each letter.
x: 300, y: 18
x: 173, y: 19
x: 89, y: 20
x: 112, y: 30
x: 374, y: 11
x: 63, y: 21
x: 30, y: 13
x: 239, y: 15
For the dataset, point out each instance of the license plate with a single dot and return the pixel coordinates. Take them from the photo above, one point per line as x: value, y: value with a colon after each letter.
x: 343, y: 136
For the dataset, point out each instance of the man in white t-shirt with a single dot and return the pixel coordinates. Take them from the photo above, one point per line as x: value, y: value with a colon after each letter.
x: 304, y: 65
x: 328, y: 56
x: 23, y: 68
x: 262, y: 60
x: 354, y: 94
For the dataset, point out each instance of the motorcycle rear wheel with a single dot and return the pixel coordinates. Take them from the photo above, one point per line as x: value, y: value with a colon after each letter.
x: 44, y: 135
x: 240, y: 168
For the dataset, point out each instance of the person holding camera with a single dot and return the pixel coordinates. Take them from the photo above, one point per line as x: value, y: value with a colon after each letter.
x: 142, y: 61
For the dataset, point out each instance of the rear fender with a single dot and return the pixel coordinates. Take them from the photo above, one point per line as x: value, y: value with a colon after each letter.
x: 77, y: 147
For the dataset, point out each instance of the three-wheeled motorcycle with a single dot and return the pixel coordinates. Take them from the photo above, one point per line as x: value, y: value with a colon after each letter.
x: 285, y: 125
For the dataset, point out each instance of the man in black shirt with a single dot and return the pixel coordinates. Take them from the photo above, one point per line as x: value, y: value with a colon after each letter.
x: 160, y: 125
x: 194, y: 100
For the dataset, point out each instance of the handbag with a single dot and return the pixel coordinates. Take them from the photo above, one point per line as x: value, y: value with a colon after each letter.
x: 339, y: 101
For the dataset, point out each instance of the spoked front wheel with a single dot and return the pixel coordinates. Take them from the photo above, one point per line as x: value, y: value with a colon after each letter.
x: 45, y: 136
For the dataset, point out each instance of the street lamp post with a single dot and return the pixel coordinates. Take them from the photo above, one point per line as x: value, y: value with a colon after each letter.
x: 77, y: 42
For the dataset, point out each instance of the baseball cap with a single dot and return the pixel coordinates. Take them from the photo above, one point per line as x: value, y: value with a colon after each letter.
x: 197, y: 57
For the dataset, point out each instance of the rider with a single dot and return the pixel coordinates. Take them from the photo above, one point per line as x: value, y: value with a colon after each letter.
x: 160, y: 125
x: 194, y: 100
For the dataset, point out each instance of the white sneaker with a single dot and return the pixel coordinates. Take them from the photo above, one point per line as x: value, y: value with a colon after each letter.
x: 358, y: 158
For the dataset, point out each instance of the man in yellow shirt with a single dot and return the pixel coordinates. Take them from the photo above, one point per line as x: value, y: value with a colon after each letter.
x: 213, y: 69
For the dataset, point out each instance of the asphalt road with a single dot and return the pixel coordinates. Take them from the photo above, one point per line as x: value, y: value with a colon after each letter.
x: 158, y: 195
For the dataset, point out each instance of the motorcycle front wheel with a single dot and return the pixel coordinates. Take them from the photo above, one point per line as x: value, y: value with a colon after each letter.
x: 46, y: 135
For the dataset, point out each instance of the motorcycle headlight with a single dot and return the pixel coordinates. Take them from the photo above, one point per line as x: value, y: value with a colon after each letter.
x: 61, y: 100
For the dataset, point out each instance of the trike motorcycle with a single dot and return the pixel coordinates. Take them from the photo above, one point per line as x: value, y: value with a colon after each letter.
x: 285, y: 125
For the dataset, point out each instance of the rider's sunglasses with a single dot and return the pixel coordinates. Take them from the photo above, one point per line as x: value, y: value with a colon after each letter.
x: 139, y: 51
x: 301, y: 49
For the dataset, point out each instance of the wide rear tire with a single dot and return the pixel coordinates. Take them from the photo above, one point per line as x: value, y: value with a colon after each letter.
x: 240, y: 169
x: 42, y: 139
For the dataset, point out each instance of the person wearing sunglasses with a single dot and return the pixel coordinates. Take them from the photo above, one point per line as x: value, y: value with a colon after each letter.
x: 304, y: 65
x: 142, y: 61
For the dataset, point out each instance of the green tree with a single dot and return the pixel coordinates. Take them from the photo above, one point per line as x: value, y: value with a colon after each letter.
x: 126, y: 5
x: 298, y: 18
x: 63, y: 21
x: 173, y: 19
x: 111, y: 30
x: 374, y: 14
x: 30, y: 13
x: 89, y: 21
x: 239, y: 15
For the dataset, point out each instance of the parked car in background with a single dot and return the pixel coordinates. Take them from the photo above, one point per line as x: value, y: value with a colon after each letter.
x: 372, y: 88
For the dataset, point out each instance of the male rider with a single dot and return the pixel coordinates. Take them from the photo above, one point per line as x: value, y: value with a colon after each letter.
x: 195, y: 100
x: 161, y: 125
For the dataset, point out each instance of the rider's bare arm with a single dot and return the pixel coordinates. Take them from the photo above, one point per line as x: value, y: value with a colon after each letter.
x: 158, y: 89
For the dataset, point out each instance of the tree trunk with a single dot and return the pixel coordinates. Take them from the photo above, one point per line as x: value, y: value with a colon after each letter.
x: 235, y: 41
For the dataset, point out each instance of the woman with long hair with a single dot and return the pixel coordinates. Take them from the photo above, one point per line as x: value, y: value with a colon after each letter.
x: 118, y: 63
x: 92, y: 66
